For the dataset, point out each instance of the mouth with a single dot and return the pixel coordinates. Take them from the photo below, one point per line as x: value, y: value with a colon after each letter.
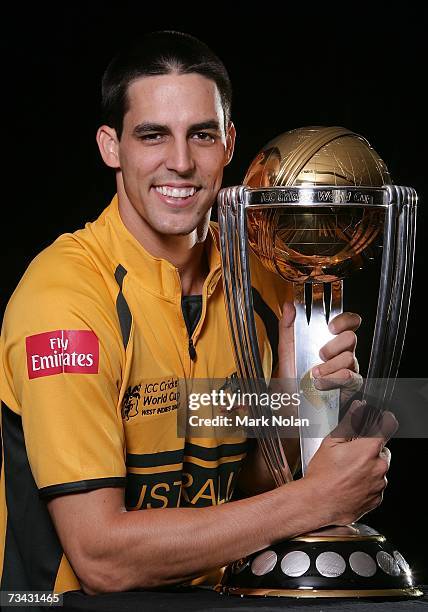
x: 177, y: 196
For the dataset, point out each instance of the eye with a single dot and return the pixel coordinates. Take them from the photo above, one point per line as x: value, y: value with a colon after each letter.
x: 151, y: 137
x: 205, y: 136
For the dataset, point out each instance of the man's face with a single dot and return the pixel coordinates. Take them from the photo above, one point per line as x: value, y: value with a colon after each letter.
x: 173, y: 150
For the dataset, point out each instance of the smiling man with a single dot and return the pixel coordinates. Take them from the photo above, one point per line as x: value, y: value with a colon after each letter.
x: 98, y: 492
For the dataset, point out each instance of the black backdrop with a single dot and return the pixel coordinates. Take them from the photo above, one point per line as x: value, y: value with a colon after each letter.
x: 290, y: 67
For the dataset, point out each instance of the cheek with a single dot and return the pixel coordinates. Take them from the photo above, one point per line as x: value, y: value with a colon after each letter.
x: 213, y: 169
x: 137, y: 162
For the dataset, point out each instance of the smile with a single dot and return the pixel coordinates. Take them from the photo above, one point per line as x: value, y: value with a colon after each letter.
x: 176, y: 192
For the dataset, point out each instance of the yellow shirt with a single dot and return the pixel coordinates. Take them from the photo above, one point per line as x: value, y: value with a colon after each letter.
x: 93, y: 348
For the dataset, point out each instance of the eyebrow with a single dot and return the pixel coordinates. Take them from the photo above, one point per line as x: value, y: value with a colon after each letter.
x: 145, y: 128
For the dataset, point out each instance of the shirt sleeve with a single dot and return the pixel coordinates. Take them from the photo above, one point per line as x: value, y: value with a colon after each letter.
x: 61, y: 364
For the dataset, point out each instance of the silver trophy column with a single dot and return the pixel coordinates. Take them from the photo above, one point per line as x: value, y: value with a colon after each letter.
x: 311, y: 335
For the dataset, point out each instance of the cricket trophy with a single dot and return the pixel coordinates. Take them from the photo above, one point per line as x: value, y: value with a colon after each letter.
x: 316, y: 203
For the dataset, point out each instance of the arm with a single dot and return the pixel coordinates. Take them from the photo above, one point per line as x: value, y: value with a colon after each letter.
x: 111, y: 549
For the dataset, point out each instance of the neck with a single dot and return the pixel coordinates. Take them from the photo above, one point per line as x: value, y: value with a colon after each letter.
x: 193, y: 269
x: 187, y: 253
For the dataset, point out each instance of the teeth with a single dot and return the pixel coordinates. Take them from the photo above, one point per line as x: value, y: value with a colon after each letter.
x: 173, y: 192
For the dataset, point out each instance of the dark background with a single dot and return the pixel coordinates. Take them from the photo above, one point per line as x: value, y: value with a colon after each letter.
x: 346, y: 66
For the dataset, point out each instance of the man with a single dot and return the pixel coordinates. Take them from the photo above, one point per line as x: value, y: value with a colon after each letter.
x: 119, y: 312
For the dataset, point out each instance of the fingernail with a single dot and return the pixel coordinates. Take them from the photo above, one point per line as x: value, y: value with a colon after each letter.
x: 316, y: 372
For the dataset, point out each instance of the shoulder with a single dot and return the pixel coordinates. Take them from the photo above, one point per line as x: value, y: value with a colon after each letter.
x: 67, y: 254
x: 63, y: 282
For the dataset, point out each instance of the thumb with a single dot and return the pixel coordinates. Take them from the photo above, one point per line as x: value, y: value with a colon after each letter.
x: 286, y: 354
x: 288, y: 315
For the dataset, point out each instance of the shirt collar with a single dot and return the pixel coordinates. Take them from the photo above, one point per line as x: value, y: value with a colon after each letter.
x: 155, y: 274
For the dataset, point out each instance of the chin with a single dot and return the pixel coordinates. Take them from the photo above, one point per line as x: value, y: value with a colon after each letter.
x: 177, y: 231
x: 180, y: 227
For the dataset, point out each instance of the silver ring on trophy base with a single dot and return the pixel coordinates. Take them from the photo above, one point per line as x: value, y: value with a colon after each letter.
x: 402, y: 563
x: 330, y: 564
x: 295, y: 563
x: 362, y: 564
x: 387, y: 563
x: 264, y: 563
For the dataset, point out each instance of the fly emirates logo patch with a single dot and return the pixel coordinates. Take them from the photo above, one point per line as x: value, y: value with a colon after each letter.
x: 64, y: 350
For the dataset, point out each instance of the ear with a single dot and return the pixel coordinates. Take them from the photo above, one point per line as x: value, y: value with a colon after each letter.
x: 230, y: 142
x: 108, y: 144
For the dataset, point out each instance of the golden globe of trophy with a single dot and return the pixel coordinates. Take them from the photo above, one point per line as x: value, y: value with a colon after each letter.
x: 314, y: 205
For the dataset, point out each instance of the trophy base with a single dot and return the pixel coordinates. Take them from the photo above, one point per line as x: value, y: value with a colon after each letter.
x: 353, y: 561
x: 326, y: 593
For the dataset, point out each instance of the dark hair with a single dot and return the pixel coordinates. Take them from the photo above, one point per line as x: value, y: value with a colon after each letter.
x: 159, y: 53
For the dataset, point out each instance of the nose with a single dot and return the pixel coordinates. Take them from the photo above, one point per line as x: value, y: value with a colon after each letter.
x: 179, y: 156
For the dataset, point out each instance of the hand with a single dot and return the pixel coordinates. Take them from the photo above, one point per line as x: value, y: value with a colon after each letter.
x: 339, y: 367
x: 349, y: 475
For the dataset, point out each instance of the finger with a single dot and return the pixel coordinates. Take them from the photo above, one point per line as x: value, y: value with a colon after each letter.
x: 383, y: 428
x: 343, y: 379
x: 349, y: 390
x: 288, y: 314
x: 345, y: 341
x: 380, y: 485
x: 385, y: 454
x: 344, y: 321
x: 344, y: 361
x: 286, y: 353
x: 350, y: 425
